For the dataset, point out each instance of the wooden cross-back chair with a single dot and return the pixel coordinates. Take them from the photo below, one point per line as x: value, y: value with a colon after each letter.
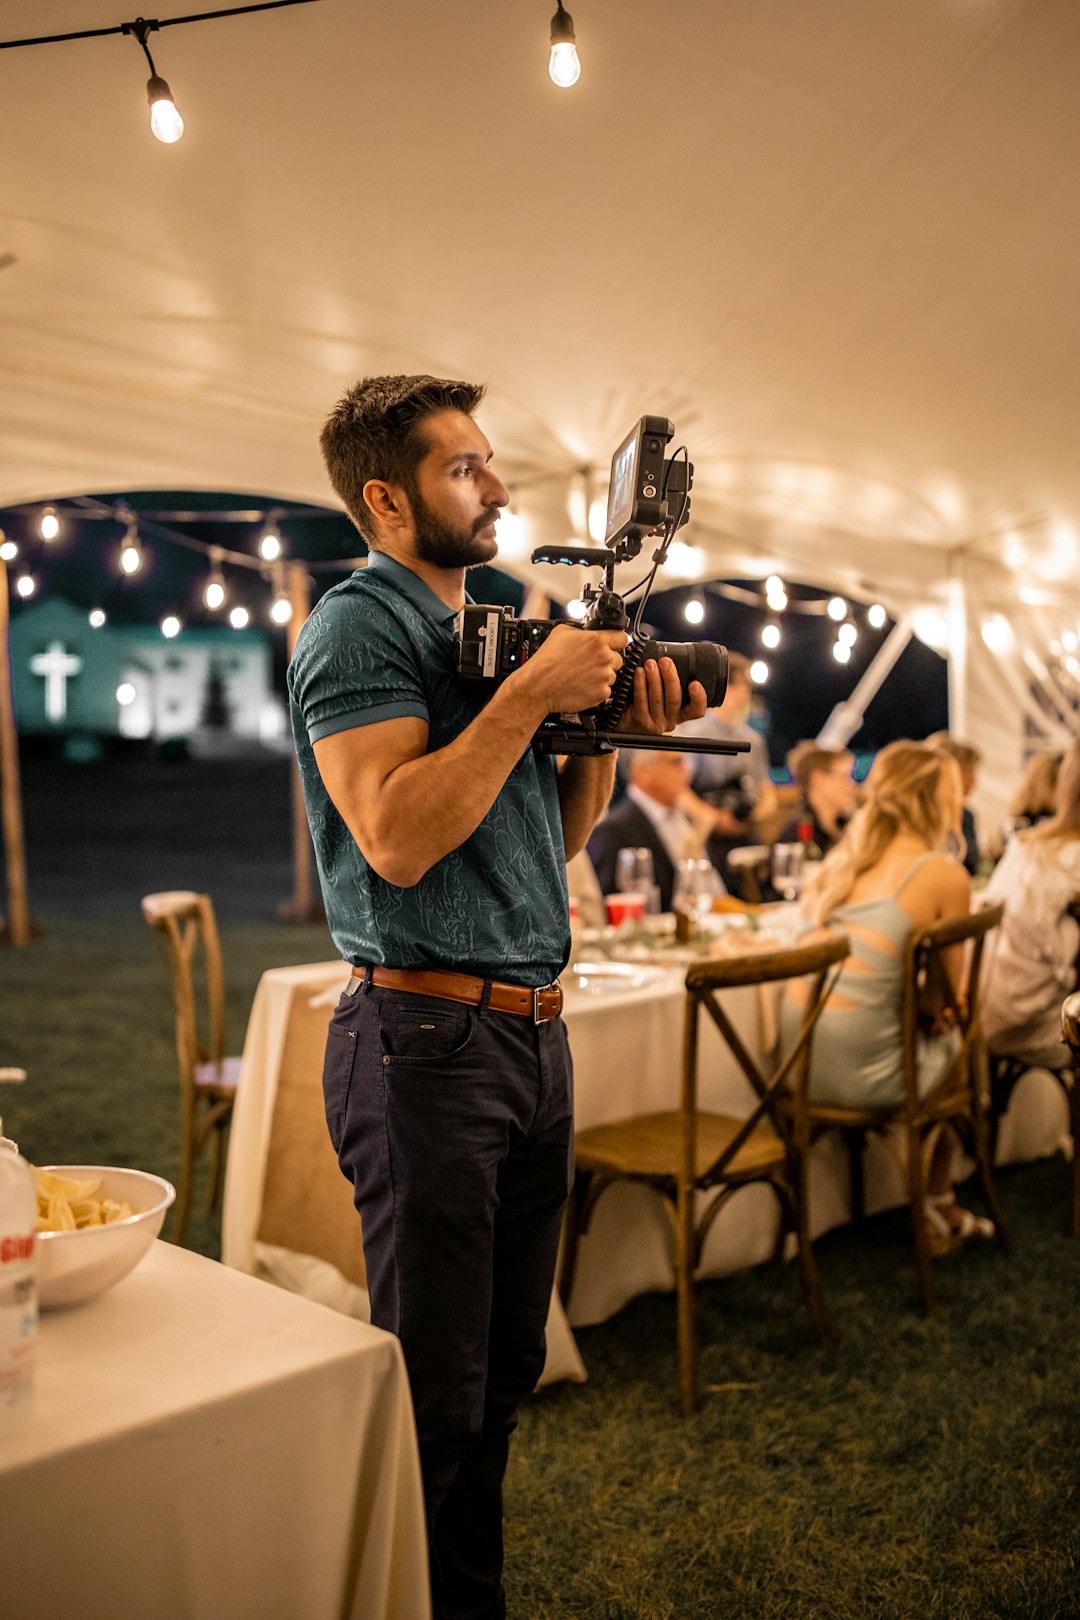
x: 688, y: 1152
x: 1006, y: 1072
x: 185, y: 925
x: 959, y: 1099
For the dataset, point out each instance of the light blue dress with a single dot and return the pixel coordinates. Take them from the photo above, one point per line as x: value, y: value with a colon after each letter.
x: 857, y: 1059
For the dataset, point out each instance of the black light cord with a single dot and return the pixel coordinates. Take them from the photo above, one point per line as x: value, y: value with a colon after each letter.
x: 144, y: 25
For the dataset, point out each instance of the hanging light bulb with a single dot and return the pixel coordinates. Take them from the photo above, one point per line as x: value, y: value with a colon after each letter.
x: 170, y: 626
x: 759, y: 672
x: 50, y: 523
x: 576, y: 608
x: 8, y: 551
x: 270, y: 544
x: 165, y: 120
x: 26, y: 584
x: 131, y: 553
x: 97, y: 618
x: 214, y: 594
x: 281, y: 608
x: 564, y: 67
x: 694, y: 611
x: 837, y: 608
x: 876, y: 616
x: 774, y: 585
x: 848, y: 634
x: 770, y: 635
x: 239, y: 617
x: 841, y: 652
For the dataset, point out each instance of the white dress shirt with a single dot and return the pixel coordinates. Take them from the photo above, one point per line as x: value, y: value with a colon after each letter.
x: 675, y: 829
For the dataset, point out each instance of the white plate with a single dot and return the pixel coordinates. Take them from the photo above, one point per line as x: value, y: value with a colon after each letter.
x: 605, y: 978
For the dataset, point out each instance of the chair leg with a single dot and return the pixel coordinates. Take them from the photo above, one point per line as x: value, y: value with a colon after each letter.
x: 684, y: 1285
x: 218, y: 1180
x: 799, y: 1179
x: 573, y: 1223
x: 855, y: 1143
x: 1074, y: 1127
x: 916, y: 1175
x: 983, y: 1163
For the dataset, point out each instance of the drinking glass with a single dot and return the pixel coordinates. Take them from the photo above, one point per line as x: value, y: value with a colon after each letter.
x: 696, y: 884
x: 787, y: 870
x: 634, y: 874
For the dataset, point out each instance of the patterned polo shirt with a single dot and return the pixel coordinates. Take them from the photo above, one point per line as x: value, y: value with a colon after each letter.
x: 378, y: 646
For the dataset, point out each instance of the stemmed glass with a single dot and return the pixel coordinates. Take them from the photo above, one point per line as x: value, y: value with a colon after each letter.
x: 787, y: 870
x: 696, y: 885
x: 634, y: 874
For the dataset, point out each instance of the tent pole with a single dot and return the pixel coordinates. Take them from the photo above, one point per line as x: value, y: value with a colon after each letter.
x: 17, y: 930
x: 303, y: 907
x: 847, y: 717
x: 958, y: 647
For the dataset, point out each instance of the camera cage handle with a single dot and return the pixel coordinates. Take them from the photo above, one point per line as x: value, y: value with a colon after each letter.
x: 588, y: 739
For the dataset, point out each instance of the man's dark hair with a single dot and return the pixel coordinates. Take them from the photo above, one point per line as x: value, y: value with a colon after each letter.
x: 376, y: 430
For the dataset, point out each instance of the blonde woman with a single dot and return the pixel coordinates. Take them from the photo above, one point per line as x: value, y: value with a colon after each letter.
x: 1034, y: 966
x: 1034, y: 798
x: 889, y: 874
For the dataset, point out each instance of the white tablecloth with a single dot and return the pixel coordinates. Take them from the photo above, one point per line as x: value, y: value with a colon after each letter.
x: 205, y: 1447
x: 626, y: 1045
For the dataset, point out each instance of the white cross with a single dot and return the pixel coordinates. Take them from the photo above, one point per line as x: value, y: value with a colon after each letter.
x: 56, y: 665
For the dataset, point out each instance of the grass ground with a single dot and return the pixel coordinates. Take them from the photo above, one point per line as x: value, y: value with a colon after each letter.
x: 919, y: 1467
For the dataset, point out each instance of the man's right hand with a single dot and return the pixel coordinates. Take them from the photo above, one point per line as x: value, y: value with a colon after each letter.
x: 573, y: 669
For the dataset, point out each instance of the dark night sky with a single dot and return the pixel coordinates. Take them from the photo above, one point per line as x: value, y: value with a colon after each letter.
x: 805, y: 681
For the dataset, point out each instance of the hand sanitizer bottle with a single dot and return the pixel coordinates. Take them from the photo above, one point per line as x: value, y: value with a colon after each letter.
x: 18, y: 1288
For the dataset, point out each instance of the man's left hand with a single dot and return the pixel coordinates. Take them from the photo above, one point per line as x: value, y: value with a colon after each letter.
x: 658, y: 707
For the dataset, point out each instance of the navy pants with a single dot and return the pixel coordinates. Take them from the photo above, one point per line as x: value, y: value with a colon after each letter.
x: 454, y: 1125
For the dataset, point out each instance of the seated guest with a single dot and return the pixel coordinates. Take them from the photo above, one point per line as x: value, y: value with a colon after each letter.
x: 1034, y: 798
x: 828, y: 795
x: 649, y: 817
x: 737, y: 787
x: 888, y: 875
x: 969, y: 759
x: 1033, y: 967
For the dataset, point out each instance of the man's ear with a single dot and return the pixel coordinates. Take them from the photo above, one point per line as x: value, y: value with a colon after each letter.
x: 388, y: 504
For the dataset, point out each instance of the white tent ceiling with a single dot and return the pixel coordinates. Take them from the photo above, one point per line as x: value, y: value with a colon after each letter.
x: 837, y: 241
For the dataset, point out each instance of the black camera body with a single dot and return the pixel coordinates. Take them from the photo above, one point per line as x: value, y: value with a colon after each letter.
x: 648, y: 492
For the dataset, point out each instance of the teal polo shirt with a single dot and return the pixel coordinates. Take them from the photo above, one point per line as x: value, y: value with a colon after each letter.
x: 378, y: 646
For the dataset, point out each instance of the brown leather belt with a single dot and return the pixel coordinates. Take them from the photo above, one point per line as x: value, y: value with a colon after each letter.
x: 539, y: 1005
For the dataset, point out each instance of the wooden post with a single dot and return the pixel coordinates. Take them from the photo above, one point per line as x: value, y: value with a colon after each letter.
x: 17, y: 930
x: 304, y: 907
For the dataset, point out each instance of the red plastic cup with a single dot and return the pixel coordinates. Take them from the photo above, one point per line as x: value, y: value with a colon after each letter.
x: 624, y: 908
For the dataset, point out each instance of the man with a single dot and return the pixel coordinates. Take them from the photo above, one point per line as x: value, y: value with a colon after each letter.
x: 650, y: 817
x: 441, y: 836
x: 737, y: 786
x: 828, y: 794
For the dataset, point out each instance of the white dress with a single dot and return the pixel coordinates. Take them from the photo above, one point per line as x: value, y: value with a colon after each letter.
x: 1032, y: 965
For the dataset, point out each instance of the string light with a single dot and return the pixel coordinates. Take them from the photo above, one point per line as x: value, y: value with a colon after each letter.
x: 837, y: 609
x: 576, y: 608
x: 26, y: 585
x: 50, y: 523
x: 876, y: 616
x: 238, y: 617
x: 165, y: 120
x: 281, y: 609
x: 841, y: 652
x: 131, y: 552
x: 97, y: 618
x: 125, y: 694
x: 998, y: 635
x: 170, y: 626
x: 8, y: 551
x: 759, y: 672
x: 270, y: 544
x: 694, y: 611
x: 564, y: 65
x: 770, y: 635
x: 214, y: 594
x: 848, y: 634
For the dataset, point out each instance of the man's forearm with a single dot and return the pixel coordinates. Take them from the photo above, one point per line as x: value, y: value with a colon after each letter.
x: 585, y: 786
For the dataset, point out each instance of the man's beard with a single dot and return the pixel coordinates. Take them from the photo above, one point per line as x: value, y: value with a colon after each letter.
x: 445, y: 546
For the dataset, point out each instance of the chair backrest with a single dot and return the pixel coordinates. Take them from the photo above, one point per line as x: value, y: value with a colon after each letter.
x: 931, y: 998
x: 184, y: 923
x: 819, y: 958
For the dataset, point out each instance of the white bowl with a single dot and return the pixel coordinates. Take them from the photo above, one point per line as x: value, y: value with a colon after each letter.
x: 76, y: 1266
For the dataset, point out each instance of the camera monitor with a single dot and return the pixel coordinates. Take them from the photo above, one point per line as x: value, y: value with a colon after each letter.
x: 636, y: 491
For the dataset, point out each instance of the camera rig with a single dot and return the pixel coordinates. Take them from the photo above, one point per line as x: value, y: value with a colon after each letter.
x: 649, y: 494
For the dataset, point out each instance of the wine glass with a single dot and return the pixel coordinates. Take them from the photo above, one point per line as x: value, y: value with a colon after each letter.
x: 634, y: 874
x: 787, y: 870
x: 696, y: 885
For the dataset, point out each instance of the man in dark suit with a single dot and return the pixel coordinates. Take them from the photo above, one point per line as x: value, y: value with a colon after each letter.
x: 649, y: 817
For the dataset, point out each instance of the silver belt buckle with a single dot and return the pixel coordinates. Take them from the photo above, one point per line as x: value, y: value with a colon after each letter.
x: 537, y: 1016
